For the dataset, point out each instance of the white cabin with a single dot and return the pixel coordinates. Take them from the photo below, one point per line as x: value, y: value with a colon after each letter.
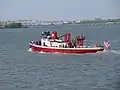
x: 52, y: 43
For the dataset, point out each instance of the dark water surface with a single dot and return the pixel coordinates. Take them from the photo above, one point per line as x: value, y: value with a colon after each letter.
x: 23, y: 70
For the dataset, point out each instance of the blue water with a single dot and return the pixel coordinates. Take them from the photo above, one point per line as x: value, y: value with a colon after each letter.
x: 23, y: 70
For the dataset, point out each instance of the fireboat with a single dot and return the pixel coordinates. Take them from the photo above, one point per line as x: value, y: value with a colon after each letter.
x: 51, y: 43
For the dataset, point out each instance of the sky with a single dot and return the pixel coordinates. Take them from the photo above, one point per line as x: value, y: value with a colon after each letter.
x: 58, y: 9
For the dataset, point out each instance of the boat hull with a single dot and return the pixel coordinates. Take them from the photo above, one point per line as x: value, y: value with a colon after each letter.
x: 37, y: 48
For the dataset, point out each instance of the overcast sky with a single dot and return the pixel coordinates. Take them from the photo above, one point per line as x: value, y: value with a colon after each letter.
x: 59, y: 9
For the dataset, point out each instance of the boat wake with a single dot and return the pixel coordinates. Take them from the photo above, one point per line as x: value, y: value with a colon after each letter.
x: 113, y: 51
x: 30, y: 50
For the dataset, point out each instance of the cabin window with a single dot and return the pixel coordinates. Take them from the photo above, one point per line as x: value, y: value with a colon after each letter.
x: 43, y: 43
x: 39, y: 42
x: 60, y: 45
x: 65, y: 46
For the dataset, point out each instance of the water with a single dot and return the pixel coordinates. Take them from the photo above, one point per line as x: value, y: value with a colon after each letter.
x: 23, y: 70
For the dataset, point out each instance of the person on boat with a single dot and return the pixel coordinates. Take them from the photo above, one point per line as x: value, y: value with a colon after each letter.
x: 69, y: 44
x: 73, y: 44
x: 48, y: 33
x: 88, y: 46
x: 82, y: 37
x: 39, y: 42
x: 45, y: 34
x: 42, y: 33
x: 36, y: 43
x: 32, y: 42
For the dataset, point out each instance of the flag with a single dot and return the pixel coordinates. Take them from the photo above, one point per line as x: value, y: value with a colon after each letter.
x: 107, y: 44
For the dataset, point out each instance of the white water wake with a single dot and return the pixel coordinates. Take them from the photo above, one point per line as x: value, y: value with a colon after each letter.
x: 113, y: 51
x: 30, y: 50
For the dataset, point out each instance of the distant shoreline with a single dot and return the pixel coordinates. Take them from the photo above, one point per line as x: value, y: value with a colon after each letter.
x: 86, y: 21
x: 11, y: 25
x: 25, y: 23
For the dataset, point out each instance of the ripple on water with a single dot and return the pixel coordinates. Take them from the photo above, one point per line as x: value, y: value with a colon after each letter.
x: 23, y: 70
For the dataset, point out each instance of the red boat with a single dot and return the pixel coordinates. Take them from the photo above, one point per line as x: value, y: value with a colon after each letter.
x: 51, y: 43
